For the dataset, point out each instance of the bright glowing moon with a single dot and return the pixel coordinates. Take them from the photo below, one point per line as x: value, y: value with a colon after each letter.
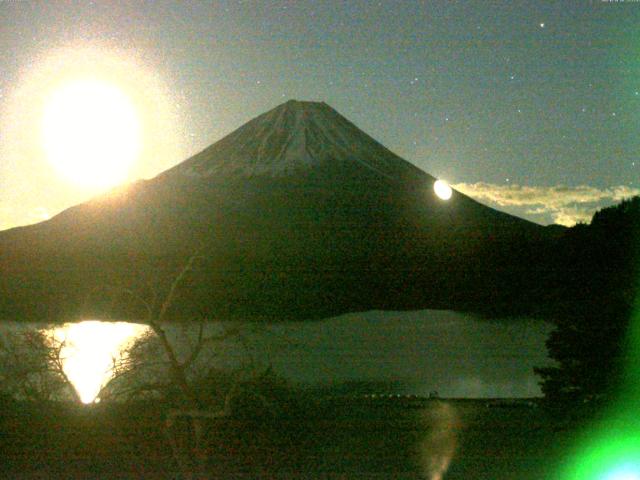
x: 88, y: 351
x: 442, y: 189
x: 91, y: 133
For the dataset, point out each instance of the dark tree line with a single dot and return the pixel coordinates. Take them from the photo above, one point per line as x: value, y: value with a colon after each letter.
x: 598, y: 278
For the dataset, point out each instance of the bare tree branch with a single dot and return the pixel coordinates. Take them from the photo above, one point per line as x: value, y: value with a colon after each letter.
x: 168, y: 301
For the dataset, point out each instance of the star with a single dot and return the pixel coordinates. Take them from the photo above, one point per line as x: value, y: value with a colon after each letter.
x: 542, y: 25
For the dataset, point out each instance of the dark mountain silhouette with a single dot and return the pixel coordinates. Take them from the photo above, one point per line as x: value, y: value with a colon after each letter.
x: 297, y: 214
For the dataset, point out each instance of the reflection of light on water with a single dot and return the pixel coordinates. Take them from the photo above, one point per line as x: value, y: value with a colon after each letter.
x: 437, y: 448
x: 89, y: 350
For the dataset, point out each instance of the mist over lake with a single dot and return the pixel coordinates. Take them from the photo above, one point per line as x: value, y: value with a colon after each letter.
x: 455, y: 354
x: 416, y: 352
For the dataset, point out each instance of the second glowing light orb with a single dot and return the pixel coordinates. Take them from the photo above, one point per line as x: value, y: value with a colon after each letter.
x: 442, y: 189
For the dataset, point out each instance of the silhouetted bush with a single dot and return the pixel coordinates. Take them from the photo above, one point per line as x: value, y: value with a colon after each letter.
x: 598, y: 274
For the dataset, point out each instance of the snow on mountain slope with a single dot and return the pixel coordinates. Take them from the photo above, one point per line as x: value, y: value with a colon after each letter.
x: 292, y: 138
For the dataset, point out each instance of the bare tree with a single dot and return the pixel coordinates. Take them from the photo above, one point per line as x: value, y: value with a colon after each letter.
x: 31, y: 366
x: 177, y: 367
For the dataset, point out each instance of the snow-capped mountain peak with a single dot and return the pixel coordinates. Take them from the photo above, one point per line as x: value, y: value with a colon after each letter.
x: 292, y: 138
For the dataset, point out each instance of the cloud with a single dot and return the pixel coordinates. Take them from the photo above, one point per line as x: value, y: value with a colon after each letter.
x: 565, y: 205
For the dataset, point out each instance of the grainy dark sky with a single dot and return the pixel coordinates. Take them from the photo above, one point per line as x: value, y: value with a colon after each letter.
x: 533, y: 107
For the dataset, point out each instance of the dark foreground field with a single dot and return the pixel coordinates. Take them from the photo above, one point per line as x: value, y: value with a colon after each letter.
x: 348, y: 440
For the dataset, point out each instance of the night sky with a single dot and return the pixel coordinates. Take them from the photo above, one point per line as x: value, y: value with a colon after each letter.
x: 532, y: 107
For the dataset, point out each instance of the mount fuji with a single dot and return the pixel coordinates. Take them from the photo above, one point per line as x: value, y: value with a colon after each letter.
x: 298, y: 214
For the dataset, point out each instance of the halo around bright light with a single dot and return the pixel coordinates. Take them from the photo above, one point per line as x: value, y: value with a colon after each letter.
x: 91, y: 133
x: 139, y: 79
x: 442, y: 189
x: 624, y: 473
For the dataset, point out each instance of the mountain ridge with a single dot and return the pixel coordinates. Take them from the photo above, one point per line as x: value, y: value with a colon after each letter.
x: 331, y: 221
x: 290, y: 137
